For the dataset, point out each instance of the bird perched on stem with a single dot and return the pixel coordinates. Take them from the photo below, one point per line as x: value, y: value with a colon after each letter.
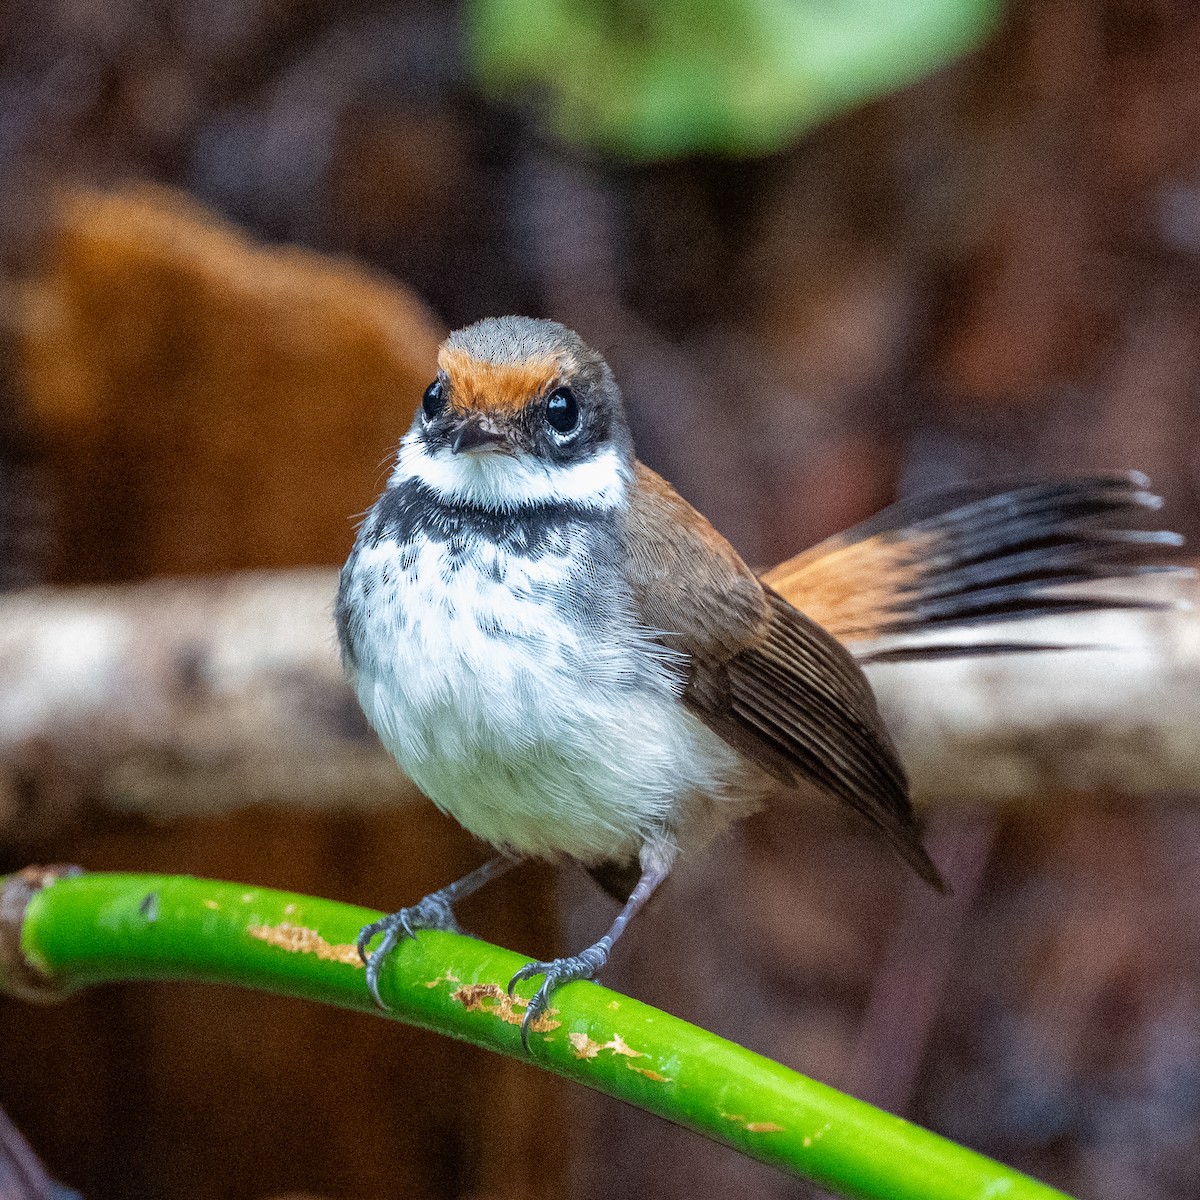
x: 566, y: 657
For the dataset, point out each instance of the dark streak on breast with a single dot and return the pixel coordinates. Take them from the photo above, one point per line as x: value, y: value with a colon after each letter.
x: 593, y: 592
x: 412, y: 508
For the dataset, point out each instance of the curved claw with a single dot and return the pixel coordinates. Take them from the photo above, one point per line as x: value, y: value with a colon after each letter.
x: 584, y: 965
x: 432, y: 912
x: 392, y: 934
x: 365, y: 934
x: 528, y: 971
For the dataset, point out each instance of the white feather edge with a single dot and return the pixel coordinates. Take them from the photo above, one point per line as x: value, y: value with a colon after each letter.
x: 506, y: 482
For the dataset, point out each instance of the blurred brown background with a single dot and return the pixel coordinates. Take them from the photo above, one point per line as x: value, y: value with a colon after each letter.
x: 994, y: 270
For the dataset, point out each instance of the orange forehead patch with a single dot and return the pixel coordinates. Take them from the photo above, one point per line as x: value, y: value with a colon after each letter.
x: 477, y: 386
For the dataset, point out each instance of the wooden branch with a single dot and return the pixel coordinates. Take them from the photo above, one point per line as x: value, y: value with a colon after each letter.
x: 1118, y: 716
x: 180, y: 696
x: 185, y: 696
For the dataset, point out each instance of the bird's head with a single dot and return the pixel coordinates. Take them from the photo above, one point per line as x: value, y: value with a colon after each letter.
x: 521, y: 412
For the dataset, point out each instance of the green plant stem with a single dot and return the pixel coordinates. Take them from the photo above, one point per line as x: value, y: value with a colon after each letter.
x: 92, y: 928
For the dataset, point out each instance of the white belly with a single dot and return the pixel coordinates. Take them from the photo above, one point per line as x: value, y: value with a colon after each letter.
x: 537, y: 733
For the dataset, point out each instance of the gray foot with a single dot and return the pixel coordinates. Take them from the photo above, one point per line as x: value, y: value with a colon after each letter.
x: 433, y: 912
x: 584, y: 965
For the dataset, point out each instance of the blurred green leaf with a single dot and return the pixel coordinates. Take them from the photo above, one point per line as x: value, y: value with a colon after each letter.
x: 658, y: 78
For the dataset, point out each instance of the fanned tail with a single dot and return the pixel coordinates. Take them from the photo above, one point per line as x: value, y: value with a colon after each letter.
x: 981, y: 554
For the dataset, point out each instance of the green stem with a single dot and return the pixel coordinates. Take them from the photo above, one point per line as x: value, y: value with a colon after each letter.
x: 82, y: 929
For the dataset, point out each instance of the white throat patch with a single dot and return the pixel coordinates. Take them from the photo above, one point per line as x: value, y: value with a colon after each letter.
x: 505, y: 483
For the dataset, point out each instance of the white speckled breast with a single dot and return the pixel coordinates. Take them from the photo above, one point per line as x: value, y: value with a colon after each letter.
x: 496, y: 656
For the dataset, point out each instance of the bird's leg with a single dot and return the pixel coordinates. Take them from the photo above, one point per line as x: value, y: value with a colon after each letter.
x: 435, y: 911
x: 656, y: 858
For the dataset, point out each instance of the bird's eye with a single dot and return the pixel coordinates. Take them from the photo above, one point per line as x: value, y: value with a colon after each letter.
x: 433, y: 400
x: 562, y: 410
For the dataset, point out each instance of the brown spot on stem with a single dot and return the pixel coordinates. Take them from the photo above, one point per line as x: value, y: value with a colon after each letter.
x: 585, y: 1047
x: 491, y: 998
x: 618, y: 1045
x: 447, y: 978
x: 296, y: 939
x: 649, y: 1074
x: 763, y: 1127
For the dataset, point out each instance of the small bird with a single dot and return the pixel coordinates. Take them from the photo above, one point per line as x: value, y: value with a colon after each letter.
x: 568, y: 658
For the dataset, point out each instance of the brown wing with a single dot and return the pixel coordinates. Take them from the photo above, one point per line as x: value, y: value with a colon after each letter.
x: 978, y: 554
x: 761, y: 675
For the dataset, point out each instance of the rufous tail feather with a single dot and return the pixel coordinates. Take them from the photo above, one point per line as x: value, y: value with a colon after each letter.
x: 978, y: 555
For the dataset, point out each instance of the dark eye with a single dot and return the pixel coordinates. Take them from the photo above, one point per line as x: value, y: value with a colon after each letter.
x: 562, y: 410
x: 433, y: 400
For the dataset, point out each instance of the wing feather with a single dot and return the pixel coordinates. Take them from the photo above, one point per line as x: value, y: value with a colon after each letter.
x: 761, y: 675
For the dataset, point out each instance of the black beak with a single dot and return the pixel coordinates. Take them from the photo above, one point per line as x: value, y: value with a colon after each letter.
x: 473, y: 436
